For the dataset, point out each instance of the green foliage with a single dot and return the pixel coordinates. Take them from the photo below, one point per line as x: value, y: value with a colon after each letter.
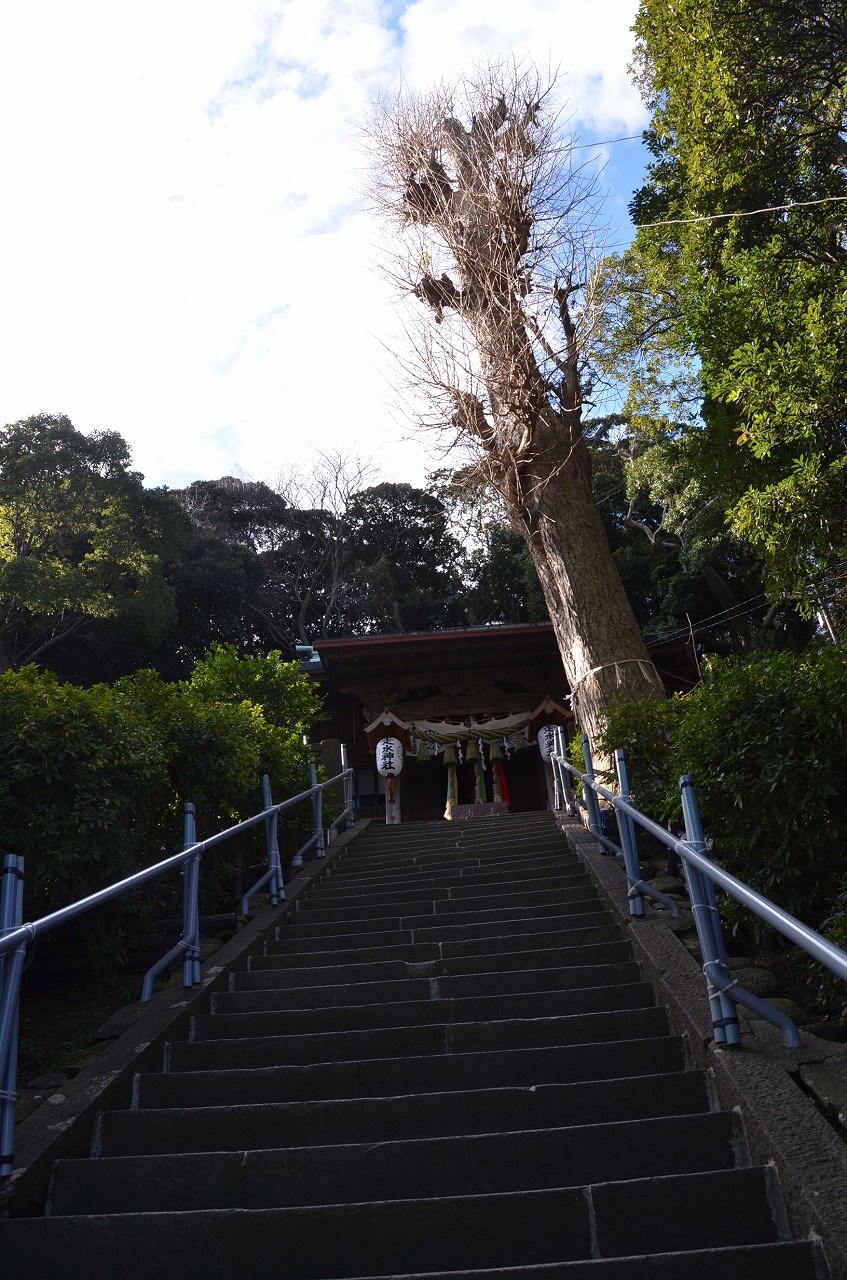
x: 502, y: 584
x: 288, y: 700
x: 403, y: 566
x: 730, y: 331
x: 83, y: 785
x: 645, y: 728
x: 766, y: 744
x: 93, y: 780
x: 79, y: 541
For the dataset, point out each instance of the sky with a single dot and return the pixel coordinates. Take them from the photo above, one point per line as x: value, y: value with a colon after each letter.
x: 186, y: 253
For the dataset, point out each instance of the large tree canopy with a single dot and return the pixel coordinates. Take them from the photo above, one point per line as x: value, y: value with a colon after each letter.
x: 256, y: 567
x: 99, y: 576
x: 404, y: 568
x: 491, y: 224
x: 729, y: 313
x: 79, y: 539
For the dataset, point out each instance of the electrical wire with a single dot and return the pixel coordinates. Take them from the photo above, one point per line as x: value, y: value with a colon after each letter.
x: 740, y: 213
x: 715, y: 620
x: 586, y: 146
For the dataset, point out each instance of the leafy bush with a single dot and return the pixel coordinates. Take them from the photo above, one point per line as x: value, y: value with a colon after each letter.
x: 93, y: 780
x: 82, y: 784
x: 765, y: 743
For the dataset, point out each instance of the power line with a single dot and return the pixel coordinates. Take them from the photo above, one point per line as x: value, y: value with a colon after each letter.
x: 751, y: 605
x: 586, y: 146
x: 740, y: 213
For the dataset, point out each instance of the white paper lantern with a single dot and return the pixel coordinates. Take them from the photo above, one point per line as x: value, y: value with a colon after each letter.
x: 389, y: 756
x: 547, y: 741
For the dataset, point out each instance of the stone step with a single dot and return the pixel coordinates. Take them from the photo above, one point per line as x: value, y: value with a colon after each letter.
x: 341, y: 889
x: 785, y: 1260
x: 442, y: 902
x: 525, y: 1160
x: 422, y: 1115
x: 593, y: 927
x: 506, y: 867
x: 417, y: 853
x: 599, y: 952
x: 405, y: 915
x: 452, y: 1039
x: 397, y: 931
x: 715, y: 1210
x: 442, y: 988
x: 446, y: 1065
x: 389, y: 1077
x: 409, y: 1013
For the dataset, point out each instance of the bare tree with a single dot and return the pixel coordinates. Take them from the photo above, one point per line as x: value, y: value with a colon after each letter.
x: 309, y: 552
x: 493, y: 225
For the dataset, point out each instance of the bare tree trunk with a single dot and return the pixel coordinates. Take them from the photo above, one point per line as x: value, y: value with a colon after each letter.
x: 602, y: 649
x: 537, y: 458
x: 478, y: 179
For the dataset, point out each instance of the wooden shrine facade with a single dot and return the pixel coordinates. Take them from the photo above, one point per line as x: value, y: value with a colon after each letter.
x: 463, y: 677
x: 457, y: 677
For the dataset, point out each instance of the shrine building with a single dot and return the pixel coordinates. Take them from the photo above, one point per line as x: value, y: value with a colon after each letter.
x: 463, y: 709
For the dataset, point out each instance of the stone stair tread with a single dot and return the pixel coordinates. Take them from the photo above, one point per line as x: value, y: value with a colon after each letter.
x: 442, y: 888
x: 471, y: 874
x: 524, y: 1160
x: 464, y: 888
x: 406, y: 1115
x: 577, y: 929
x: 378, y: 1077
x: 568, y: 1002
x: 558, y: 917
x: 488, y: 962
x: 449, y: 987
x: 379, y: 1239
x: 470, y: 922
x: 550, y: 865
x: 399, y: 915
x: 783, y: 1260
x: 455, y: 1039
x: 594, y: 928
x: 400, y: 931
x: 445, y: 1067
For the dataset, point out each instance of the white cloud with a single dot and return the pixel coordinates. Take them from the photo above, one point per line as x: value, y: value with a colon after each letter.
x: 588, y: 44
x: 184, y: 255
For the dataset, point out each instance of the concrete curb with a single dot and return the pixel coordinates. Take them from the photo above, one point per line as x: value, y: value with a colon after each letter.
x: 784, y: 1125
x: 62, y: 1126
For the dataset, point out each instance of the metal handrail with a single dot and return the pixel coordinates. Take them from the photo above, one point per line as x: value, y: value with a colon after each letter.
x: 15, y: 936
x: 702, y: 874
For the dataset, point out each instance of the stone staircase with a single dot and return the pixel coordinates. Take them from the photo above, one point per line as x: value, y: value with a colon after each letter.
x: 446, y: 1065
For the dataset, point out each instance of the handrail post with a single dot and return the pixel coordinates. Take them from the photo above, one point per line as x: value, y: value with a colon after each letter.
x: 11, y: 968
x: 317, y: 810
x: 556, y: 766
x: 596, y: 824
x: 556, y: 769
x: 297, y: 860
x: 348, y: 787
x: 277, y: 892
x: 188, y: 947
x: 190, y: 904
x: 705, y: 910
x: 562, y: 774
x: 629, y: 844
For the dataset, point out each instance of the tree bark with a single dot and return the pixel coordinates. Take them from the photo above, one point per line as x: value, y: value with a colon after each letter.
x: 495, y: 193
x: 602, y: 648
x: 538, y: 459
x: 550, y: 499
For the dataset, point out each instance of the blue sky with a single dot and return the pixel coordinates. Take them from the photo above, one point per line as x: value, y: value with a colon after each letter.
x: 186, y: 255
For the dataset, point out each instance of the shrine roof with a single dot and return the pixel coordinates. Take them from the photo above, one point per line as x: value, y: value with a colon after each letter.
x: 426, y: 652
